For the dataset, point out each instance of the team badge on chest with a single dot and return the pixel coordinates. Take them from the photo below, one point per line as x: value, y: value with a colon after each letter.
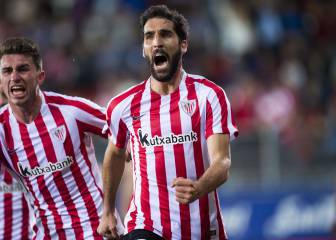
x: 188, y: 106
x: 59, y: 133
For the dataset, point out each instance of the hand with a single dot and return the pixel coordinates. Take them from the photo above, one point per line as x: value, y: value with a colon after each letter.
x: 108, y: 227
x: 186, y: 190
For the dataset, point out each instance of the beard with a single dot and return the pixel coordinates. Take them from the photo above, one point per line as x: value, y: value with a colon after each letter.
x: 173, y: 65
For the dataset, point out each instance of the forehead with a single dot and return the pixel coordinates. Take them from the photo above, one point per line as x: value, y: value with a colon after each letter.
x: 155, y: 24
x: 8, y: 60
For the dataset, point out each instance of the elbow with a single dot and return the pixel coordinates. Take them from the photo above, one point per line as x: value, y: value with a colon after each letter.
x: 226, y: 176
x: 226, y: 170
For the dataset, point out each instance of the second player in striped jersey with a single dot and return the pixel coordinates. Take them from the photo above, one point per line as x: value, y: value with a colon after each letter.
x: 44, y: 137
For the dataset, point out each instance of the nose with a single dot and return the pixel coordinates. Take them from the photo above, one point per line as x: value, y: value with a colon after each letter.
x: 14, y: 76
x: 157, y: 41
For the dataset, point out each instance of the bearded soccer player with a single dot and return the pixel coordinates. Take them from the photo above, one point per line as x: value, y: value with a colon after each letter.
x: 180, y: 126
x: 45, y: 141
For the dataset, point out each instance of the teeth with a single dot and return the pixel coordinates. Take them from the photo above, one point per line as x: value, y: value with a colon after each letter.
x: 17, y: 88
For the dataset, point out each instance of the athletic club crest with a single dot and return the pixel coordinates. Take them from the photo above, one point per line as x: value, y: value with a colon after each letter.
x: 188, y: 106
x: 59, y: 133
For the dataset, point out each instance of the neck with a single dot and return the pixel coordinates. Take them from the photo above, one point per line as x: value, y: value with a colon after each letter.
x: 27, y: 112
x: 165, y: 88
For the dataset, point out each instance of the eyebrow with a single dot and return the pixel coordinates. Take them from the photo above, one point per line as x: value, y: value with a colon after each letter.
x: 23, y: 65
x: 164, y: 30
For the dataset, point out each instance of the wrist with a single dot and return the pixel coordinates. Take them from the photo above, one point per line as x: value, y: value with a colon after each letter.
x: 199, y: 189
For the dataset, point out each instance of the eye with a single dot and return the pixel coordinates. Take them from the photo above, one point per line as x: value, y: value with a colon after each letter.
x: 23, y: 68
x: 6, y: 70
x: 166, y: 34
x: 149, y: 35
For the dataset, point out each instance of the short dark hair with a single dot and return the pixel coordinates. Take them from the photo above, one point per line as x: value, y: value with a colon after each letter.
x: 23, y: 46
x: 181, y: 25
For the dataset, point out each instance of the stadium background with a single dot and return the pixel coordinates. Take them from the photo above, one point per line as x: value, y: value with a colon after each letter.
x: 275, y: 59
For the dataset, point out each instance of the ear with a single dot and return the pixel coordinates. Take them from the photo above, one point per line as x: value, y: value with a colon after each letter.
x: 40, y: 78
x: 184, y: 46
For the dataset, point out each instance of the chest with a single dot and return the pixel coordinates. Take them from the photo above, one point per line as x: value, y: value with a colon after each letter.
x: 166, y: 116
x: 44, y: 141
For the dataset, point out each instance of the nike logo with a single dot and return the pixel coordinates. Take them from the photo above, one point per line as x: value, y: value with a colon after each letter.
x: 12, y: 151
x: 137, y: 117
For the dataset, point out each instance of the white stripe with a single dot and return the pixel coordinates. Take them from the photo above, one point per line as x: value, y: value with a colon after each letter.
x: 231, y: 127
x: 42, y: 160
x: 17, y: 213
x: 23, y: 157
x: 2, y: 216
x: 122, y: 109
x: 186, y: 123
x: 170, y: 167
x: 68, y: 181
x: 84, y: 171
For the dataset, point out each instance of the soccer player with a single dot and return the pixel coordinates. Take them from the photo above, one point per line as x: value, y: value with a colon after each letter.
x: 15, y: 218
x: 45, y: 141
x: 179, y: 126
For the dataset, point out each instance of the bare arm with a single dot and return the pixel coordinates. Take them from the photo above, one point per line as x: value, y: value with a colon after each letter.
x: 220, y: 160
x: 113, y: 168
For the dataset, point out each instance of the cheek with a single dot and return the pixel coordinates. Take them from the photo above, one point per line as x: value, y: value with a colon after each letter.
x: 145, y: 52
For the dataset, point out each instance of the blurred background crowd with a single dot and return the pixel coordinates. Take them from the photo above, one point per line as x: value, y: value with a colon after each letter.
x: 276, y: 59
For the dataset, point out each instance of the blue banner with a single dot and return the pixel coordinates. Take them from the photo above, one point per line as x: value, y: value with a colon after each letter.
x: 295, y: 215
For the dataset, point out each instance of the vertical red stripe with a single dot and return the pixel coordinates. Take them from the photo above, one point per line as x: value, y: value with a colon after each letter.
x: 94, y: 210
x: 122, y: 134
x: 81, y: 127
x: 222, y: 102
x: 87, y: 159
x: 25, y: 219
x: 10, y: 144
x: 31, y: 156
x: 209, y: 120
x: 57, y: 176
x: 180, y: 161
x: 221, y: 232
x: 160, y: 166
x: 131, y: 224
x: 144, y: 196
x: 196, y: 127
x: 115, y: 101
x: 8, y: 208
x: 76, y: 173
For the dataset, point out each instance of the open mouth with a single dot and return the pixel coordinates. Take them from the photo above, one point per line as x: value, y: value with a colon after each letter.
x: 18, y: 90
x: 160, y: 59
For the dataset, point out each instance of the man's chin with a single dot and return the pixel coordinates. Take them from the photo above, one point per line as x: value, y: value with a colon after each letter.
x: 161, y: 76
x: 18, y: 101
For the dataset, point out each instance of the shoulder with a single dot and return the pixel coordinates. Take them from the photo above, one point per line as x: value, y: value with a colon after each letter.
x: 3, y: 112
x: 62, y: 99
x: 66, y: 100
x: 126, y: 95
x: 202, y: 83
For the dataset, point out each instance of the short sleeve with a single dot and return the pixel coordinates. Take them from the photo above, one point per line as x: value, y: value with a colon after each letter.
x: 219, y: 117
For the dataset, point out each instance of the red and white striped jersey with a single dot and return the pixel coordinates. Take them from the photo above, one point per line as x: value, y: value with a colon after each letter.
x: 15, y: 218
x: 168, y: 140
x: 54, y: 157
